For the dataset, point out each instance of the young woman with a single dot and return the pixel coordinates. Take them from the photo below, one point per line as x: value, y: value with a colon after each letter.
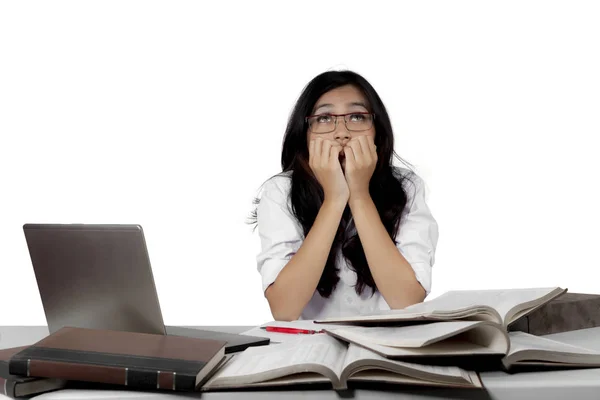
x: 342, y: 230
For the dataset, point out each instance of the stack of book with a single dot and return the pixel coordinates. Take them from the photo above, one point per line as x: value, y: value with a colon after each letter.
x: 443, y: 342
x: 22, y: 386
x: 122, y: 359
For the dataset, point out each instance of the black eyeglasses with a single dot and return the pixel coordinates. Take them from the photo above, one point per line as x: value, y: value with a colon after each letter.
x: 355, y: 122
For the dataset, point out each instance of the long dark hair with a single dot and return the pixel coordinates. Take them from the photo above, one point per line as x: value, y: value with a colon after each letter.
x: 386, y: 185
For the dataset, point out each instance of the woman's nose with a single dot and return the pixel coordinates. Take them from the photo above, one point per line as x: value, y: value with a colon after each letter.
x: 341, y: 134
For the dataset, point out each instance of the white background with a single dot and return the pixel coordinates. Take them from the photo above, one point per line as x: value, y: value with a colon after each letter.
x: 171, y: 115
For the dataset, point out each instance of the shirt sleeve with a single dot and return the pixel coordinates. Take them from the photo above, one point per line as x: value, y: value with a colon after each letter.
x: 280, y: 234
x: 418, y: 232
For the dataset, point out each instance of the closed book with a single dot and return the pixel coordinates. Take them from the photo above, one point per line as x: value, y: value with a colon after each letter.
x: 20, y: 386
x: 137, y: 360
x: 569, y: 312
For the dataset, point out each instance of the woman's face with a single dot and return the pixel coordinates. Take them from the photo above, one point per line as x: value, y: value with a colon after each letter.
x: 342, y: 100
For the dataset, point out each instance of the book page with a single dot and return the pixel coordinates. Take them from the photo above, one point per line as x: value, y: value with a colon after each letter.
x: 301, y: 324
x: 502, y: 300
x: 454, y: 301
x: 286, y: 337
x: 445, y: 348
x: 487, y: 305
x: 523, y: 299
x: 449, y: 306
x: 405, y: 336
x: 521, y: 341
x: 256, y: 364
x: 533, y: 350
x: 392, y: 377
x: 361, y: 357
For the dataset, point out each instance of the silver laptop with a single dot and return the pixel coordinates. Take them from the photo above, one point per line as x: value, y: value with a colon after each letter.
x: 99, y: 276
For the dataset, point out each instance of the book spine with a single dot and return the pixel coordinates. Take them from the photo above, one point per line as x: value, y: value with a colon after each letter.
x: 135, y: 378
x: 7, y: 387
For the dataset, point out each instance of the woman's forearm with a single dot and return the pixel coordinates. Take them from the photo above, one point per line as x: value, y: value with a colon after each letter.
x: 393, y: 275
x: 298, y: 280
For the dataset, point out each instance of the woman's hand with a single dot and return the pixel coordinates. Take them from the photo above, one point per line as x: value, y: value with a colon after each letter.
x: 361, y: 160
x: 323, y: 158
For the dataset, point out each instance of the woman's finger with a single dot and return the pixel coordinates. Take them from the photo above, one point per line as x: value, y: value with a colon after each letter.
x: 334, y: 152
x: 326, y: 147
x: 350, y: 157
x: 371, y: 142
x: 317, y: 152
x: 357, y: 152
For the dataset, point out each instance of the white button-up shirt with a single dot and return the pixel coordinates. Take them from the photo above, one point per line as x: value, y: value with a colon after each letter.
x: 281, y: 236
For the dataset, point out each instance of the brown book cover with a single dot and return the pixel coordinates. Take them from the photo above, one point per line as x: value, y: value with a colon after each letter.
x: 569, y: 312
x: 20, y: 386
x: 137, y: 360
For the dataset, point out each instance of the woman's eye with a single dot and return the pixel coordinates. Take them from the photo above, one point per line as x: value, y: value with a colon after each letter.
x: 357, y: 117
x: 324, y: 119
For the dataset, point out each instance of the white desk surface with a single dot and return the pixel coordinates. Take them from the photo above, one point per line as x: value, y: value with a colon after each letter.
x: 550, y: 385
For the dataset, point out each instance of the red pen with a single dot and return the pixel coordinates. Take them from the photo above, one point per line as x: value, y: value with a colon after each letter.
x: 279, y: 329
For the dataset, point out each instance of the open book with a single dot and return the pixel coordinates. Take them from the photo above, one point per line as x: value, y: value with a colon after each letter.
x: 527, y: 350
x: 474, y: 345
x: 435, y: 339
x: 321, y: 358
x: 500, y: 306
x: 463, y: 343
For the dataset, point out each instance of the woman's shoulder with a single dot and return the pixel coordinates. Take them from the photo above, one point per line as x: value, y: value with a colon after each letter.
x: 277, y: 186
x: 281, y: 181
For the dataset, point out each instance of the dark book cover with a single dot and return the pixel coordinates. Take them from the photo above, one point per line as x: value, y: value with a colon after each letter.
x: 137, y: 360
x: 20, y: 386
x: 568, y: 312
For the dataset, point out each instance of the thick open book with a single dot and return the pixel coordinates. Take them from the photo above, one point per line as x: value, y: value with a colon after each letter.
x: 500, y: 306
x: 321, y: 358
x: 527, y: 351
x: 461, y: 342
x: 451, y: 338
